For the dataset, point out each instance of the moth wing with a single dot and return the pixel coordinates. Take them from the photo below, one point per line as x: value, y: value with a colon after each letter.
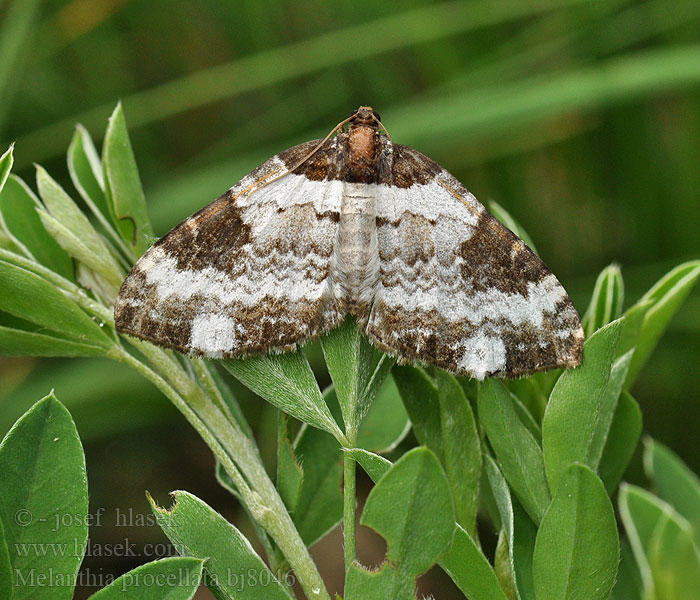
x: 248, y: 273
x: 458, y: 290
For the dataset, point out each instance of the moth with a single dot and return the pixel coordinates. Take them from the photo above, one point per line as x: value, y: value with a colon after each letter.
x: 353, y: 224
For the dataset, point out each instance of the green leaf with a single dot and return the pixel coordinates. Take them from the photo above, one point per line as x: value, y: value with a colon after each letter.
x: 443, y: 421
x: 357, y: 371
x: 5, y: 566
x: 19, y: 217
x: 44, y: 500
x: 674, y: 482
x: 420, y: 528
x: 505, y: 217
x: 581, y: 406
x: 125, y: 197
x: 290, y: 473
x: 174, y: 578
x: 519, y: 456
x: 287, y: 381
x: 634, y: 319
x: 73, y: 231
x: 320, y: 505
x: 385, y: 583
x: 6, y: 162
x: 662, y: 543
x: 470, y: 570
x: 628, y: 585
x: 606, y: 302
x: 519, y: 531
x: 374, y: 465
x: 21, y: 288
x: 420, y: 397
x: 464, y: 563
x: 577, y: 546
x: 667, y: 296
x: 461, y: 449
x: 85, y: 168
x: 625, y: 429
x: 386, y: 423
x: 674, y: 559
x: 232, y: 566
x: 16, y: 342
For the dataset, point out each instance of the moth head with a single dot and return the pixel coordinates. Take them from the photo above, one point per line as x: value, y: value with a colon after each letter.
x: 365, y: 115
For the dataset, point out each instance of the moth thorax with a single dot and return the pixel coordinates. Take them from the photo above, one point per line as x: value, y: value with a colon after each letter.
x: 356, y: 253
x: 362, y: 153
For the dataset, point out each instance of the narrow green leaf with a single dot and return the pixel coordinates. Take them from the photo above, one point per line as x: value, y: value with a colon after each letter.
x: 443, y: 421
x: 421, y: 527
x: 16, y: 342
x: 6, y: 580
x: 667, y: 295
x: 44, y: 500
x: 581, y: 406
x: 348, y: 355
x: 674, y: 559
x: 674, y: 482
x: 174, y: 578
x: 464, y: 563
x: 386, y: 423
x: 518, y: 528
x: 290, y: 473
x: 320, y: 505
x: 623, y: 437
x: 232, y: 567
x: 287, y: 381
x: 634, y: 319
x: 519, y: 456
x: 6, y: 162
x: 18, y: 215
x: 470, y: 570
x: 85, y: 168
x: 21, y: 288
x: 123, y: 186
x: 606, y: 302
x: 357, y: 371
x: 662, y: 543
x: 507, y: 219
x: 503, y: 567
x: 577, y: 546
x: 461, y: 449
x: 73, y: 231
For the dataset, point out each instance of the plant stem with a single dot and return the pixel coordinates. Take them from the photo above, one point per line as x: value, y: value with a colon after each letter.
x: 258, y: 491
x: 349, y: 493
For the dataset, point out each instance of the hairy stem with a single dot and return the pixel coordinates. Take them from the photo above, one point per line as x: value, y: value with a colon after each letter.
x: 259, y: 493
x: 349, y: 493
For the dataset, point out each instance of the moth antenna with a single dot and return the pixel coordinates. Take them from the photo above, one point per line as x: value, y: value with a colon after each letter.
x: 307, y: 157
x: 378, y: 122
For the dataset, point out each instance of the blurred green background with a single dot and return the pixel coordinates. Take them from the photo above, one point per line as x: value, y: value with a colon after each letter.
x: 580, y: 117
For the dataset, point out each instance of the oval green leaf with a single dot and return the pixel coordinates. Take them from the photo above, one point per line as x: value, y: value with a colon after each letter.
x: 123, y: 185
x: 173, y: 578
x: 18, y: 214
x: 44, y: 501
x: 519, y: 456
x: 577, y: 545
x: 232, y: 567
x: 420, y: 528
x: 581, y: 406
